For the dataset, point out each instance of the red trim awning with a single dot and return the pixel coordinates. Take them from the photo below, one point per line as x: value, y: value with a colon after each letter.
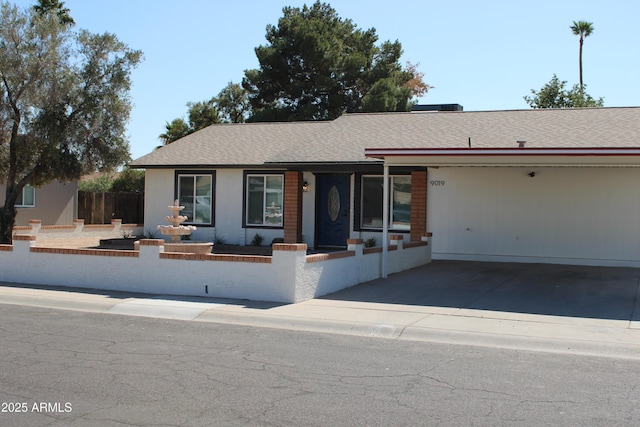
x: 556, y: 151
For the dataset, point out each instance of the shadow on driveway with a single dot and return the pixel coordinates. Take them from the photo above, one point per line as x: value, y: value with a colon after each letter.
x: 549, y: 289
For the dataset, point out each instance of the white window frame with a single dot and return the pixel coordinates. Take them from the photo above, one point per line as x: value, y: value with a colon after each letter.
x: 265, y: 208
x: 393, y: 225
x: 191, y: 215
x: 20, y: 202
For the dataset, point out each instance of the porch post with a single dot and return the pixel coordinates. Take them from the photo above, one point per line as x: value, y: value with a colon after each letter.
x: 418, y: 205
x: 385, y: 219
x: 292, y: 215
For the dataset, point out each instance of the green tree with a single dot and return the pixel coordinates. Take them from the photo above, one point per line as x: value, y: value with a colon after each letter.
x: 99, y: 184
x: 64, y: 103
x: 129, y: 180
x: 201, y: 115
x: 56, y: 7
x: 233, y: 103
x: 174, y: 130
x: 582, y: 29
x: 555, y: 95
x: 317, y: 65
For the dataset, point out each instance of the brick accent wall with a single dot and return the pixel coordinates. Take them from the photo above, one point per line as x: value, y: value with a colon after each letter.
x: 292, y: 207
x: 418, y: 205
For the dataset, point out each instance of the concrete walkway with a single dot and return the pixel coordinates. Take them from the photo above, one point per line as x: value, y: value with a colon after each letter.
x: 555, y: 308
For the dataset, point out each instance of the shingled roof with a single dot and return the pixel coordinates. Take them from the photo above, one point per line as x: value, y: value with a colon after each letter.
x: 344, y: 140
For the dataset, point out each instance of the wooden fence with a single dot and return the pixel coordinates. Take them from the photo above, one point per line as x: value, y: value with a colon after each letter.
x: 101, y: 208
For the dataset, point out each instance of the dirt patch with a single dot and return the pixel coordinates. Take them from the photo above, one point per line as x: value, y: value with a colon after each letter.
x: 121, y: 244
x: 242, y: 250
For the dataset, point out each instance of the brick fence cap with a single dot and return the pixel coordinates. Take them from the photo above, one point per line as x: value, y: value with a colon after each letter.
x: 289, y: 246
x: 151, y: 242
x: 27, y: 237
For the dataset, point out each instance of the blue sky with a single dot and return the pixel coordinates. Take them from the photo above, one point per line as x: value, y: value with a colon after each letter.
x: 484, y: 55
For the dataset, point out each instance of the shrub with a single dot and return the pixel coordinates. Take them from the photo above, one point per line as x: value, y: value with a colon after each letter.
x: 130, y: 180
x: 149, y: 233
x: 257, y: 240
x: 99, y: 184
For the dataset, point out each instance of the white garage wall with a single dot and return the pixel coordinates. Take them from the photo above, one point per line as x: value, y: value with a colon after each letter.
x: 562, y: 215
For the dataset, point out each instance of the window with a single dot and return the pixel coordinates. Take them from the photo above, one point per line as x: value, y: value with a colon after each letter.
x: 399, y: 203
x: 264, y: 200
x: 27, y: 199
x: 195, y: 194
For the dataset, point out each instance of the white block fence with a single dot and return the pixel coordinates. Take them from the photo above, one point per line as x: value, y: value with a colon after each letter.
x: 288, y: 276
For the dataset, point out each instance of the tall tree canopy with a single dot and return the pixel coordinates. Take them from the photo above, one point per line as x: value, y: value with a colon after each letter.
x: 56, y: 7
x: 317, y: 65
x: 233, y: 104
x: 201, y: 115
x: 174, y: 130
x: 582, y: 29
x: 555, y: 95
x: 64, y: 102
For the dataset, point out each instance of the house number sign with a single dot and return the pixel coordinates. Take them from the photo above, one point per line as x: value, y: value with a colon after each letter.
x: 437, y: 183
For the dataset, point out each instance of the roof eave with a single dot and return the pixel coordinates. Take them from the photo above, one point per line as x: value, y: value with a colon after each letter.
x: 576, y: 157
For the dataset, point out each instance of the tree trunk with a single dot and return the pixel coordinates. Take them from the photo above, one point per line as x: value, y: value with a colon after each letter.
x: 580, y: 65
x: 7, y: 221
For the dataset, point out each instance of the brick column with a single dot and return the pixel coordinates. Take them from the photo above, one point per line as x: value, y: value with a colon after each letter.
x: 418, y: 205
x: 292, y: 207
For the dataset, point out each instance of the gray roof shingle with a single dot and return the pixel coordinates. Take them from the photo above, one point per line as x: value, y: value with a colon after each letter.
x: 344, y: 140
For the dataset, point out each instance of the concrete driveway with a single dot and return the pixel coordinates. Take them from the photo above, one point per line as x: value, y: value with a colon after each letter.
x: 611, y: 293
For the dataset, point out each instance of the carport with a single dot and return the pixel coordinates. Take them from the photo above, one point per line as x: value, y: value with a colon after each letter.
x: 542, y: 307
x: 557, y: 205
x: 509, y: 291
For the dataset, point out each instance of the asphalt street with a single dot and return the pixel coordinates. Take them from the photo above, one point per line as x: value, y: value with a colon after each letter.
x: 75, y: 368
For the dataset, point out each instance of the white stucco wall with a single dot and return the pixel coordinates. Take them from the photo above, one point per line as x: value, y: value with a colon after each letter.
x: 321, y: 278
x: 228, y: 195
x: 289, y: 277
x: 158, y: 188
x: 148, y: 273
x: 228, y: 209
x: 562, y: 215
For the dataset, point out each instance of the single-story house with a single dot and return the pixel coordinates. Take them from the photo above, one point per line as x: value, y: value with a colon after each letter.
x: 548, y: 185
x: 54, y: 203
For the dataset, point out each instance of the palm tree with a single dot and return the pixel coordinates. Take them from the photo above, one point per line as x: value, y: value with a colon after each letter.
x: 177, y: 129
x: 582, y: 29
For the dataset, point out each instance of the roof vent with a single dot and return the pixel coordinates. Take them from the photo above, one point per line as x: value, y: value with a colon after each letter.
x: 521, y: 144
x: 437, y: 107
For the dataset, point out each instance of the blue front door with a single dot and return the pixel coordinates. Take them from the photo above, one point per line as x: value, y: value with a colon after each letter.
x: 332, y: 209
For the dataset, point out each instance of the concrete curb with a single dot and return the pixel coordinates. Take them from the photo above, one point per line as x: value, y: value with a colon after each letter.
x: 588, y: 337
x: 624, y: 350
